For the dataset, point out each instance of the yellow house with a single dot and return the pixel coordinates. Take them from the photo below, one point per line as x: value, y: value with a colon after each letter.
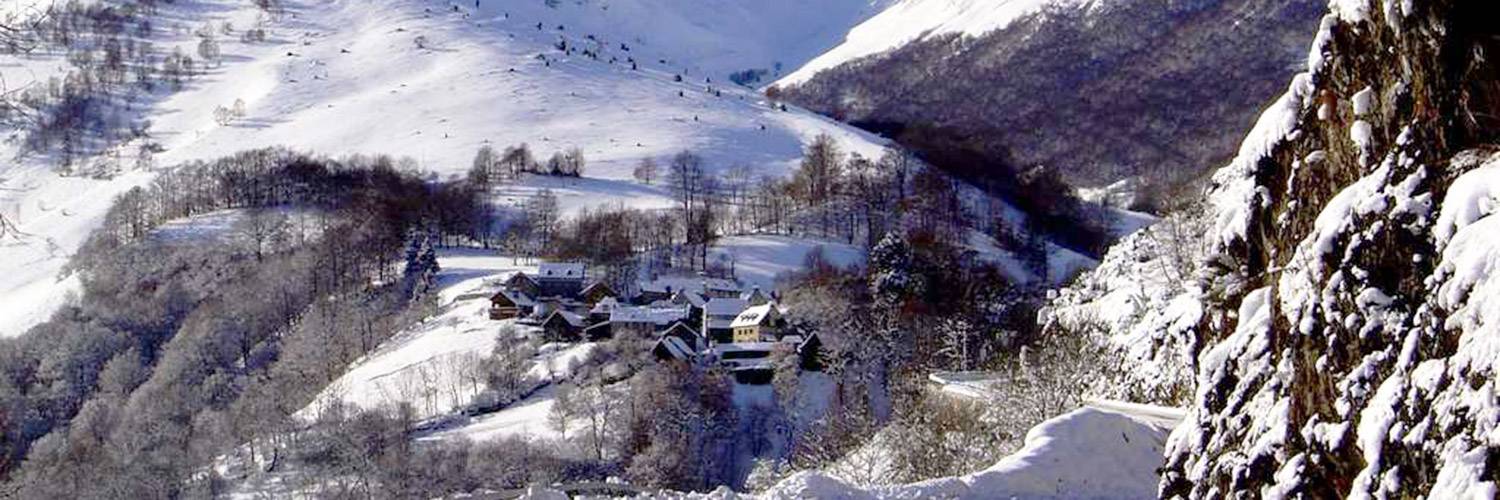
x: 755, y: 324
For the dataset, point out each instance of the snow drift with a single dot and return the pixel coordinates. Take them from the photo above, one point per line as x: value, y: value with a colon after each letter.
x: 1085, y: 454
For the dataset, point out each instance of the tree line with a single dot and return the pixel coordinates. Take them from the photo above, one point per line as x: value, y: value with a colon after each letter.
x: 493, y: 168
x: 832, y: 195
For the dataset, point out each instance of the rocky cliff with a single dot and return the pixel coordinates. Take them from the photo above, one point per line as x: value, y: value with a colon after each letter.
x: 1344, y: 325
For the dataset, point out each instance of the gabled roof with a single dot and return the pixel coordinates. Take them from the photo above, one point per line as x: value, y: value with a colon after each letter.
x: 659, y: 316
x: 725, y: 307
x: 690, y: 298
x: 679, y: 330
x: 572, y: 319
x: 516, y: 297
x: 677, y: 348
x: 602, y: 326
x: 606, y: 305
x: 676, y: 325
x: 560, y: 270
x: 752, y: 316
x: 722, y: 285
x: 691, y: 283
x: 809, y: 339
x: 598, y: 285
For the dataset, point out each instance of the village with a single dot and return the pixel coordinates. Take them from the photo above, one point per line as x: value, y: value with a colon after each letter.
x: 703, y: 321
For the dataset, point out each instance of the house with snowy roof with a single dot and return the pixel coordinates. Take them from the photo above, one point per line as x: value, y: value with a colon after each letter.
x: 721, y: 288
x: 756, y: 324
x: 563, y: 326
x: 718, y: 317
x: 521, y: 282
x: 754, y: 362
x: 755, y: 297
x: 694, y: 302
x: 646, y: 321
x: 680, y: 342
x: 595, y: 292
x: 669, y: 287
x: 652, y: 291
x: 508, y: 303
x: 560, y: 279
x: 603, y: 308
x: 556, y: 286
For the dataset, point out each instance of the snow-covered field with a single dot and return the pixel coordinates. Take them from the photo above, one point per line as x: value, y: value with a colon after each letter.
x: 435, y: 366
x: 760, y: 259
x: 342, y: 77
x: 527, y: 418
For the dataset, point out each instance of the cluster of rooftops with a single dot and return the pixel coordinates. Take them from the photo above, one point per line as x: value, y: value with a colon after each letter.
x: 696, y: 320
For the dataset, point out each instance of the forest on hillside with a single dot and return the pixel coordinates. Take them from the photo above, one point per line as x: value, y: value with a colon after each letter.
x: 1136, y: 89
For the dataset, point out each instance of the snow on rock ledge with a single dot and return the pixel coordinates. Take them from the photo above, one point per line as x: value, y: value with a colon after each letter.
x: 1088, y: 453
x: 1361, y: 359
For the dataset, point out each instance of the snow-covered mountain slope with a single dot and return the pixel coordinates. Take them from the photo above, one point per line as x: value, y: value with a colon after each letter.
x: 350, y: 77
x: 355, y: 80
x: 910, y: 20
x: 1342, y: 323
x: 705, y: 38
x: 1101, y: 90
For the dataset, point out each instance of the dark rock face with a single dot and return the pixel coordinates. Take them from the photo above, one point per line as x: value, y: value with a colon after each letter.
x: 1351, y: 327
x: 1161, y: 89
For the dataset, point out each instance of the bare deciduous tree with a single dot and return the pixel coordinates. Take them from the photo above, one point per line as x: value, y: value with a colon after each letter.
x: 262, y: 230
x: 564, y: 406
x: 646, y: 171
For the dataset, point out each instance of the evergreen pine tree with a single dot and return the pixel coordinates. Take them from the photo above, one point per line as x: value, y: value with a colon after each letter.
x: 891, y: 280
x: 421, y: 265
